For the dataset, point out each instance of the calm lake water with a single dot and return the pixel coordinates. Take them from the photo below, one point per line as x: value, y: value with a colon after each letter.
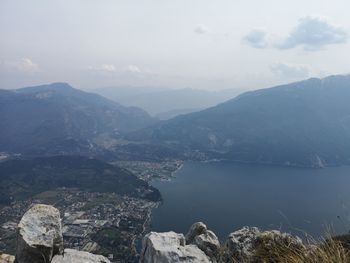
x: 227, y: 196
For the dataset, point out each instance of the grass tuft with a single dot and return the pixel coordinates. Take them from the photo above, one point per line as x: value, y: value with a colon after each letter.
x: 270, y: 250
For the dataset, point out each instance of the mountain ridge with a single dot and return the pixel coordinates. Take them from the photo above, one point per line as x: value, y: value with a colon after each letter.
x: 57, y: 118
x: 305, y: 123
x: 24, y: 178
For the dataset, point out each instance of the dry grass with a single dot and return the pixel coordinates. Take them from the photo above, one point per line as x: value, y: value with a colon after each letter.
x: 330, y: 251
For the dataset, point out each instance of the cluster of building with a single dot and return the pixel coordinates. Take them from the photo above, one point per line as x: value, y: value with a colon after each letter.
x: 86, y: 216
x: 92, y: 220
x: 3, y: 156
x: 152, y: 170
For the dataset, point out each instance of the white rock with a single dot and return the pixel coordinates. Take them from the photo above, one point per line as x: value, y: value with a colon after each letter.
x: 39, y: 235
x: 195, y: 230
x: 5, y: 258
x: 170, y: 247
x: 204, y: 239
x: 209, y: 243
x: 75, y: 256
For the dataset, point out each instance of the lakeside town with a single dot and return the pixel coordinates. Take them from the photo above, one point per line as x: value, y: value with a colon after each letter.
x: 97, y: 222
x: 90, y: 220
x: 152, y: 170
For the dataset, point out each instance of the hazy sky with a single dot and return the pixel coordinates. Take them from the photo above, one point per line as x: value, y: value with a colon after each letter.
x: 172, y: 43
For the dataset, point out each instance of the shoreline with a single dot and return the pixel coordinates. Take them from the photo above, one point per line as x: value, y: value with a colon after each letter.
x: 148, y: 222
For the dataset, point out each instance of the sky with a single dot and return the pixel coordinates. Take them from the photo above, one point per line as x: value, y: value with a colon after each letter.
x: 201, y: 44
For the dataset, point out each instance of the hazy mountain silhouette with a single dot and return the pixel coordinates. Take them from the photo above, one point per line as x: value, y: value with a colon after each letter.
x: 305, y: 123
x: 59, y: 119
x: 167, y: 103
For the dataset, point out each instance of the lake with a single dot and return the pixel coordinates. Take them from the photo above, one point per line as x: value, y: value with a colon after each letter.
x: 227, y: 196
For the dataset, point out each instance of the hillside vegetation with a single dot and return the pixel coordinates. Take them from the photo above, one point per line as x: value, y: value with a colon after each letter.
x: 304, y: 124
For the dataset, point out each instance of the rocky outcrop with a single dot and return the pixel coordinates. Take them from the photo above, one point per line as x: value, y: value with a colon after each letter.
x: 39, y: 235
x: 200, y: 245
x: 205, y: 240
x: 5, y: 258
x: 40, y: 240
x: 195, y: 230
x: 249, y: 243
x: 240, y: 244
x: 170, y: 247
x: 74, y: 256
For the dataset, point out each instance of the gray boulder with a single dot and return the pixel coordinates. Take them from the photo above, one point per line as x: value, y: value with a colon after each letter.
x: 245, y: 244
x: 170, y: 247
x: 5, y: 258
x: 39, y: 235
x: 204, y: 239
x: 195, y: 230
x: 241, y: 243
x: 74, y: 256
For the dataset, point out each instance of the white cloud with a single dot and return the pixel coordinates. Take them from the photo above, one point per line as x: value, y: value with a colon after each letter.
x: 290, y: 71
x: 132, y: 69
x: 104, y: 68
x: 108, y: 67
x: 311, y: 33
x: 256, y: 38
x: 314, y: 33
x: 201, y: 29
x: 112, y: 69
x: 25, y: 65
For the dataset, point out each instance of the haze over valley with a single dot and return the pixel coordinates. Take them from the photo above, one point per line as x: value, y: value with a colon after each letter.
x: 174, y: 131
x: 169, y: 103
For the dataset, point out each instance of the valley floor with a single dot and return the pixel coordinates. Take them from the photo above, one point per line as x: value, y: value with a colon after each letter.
x: 97, y: 222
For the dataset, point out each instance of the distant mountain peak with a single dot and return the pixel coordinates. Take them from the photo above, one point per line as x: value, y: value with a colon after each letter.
x: 58, y: 118
x: 53, y: 87
x: 60, y: 85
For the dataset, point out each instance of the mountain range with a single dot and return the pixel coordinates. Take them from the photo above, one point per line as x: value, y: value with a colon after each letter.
x: 301, y: 124
x: 56, y: 119
x: 306, y: 123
